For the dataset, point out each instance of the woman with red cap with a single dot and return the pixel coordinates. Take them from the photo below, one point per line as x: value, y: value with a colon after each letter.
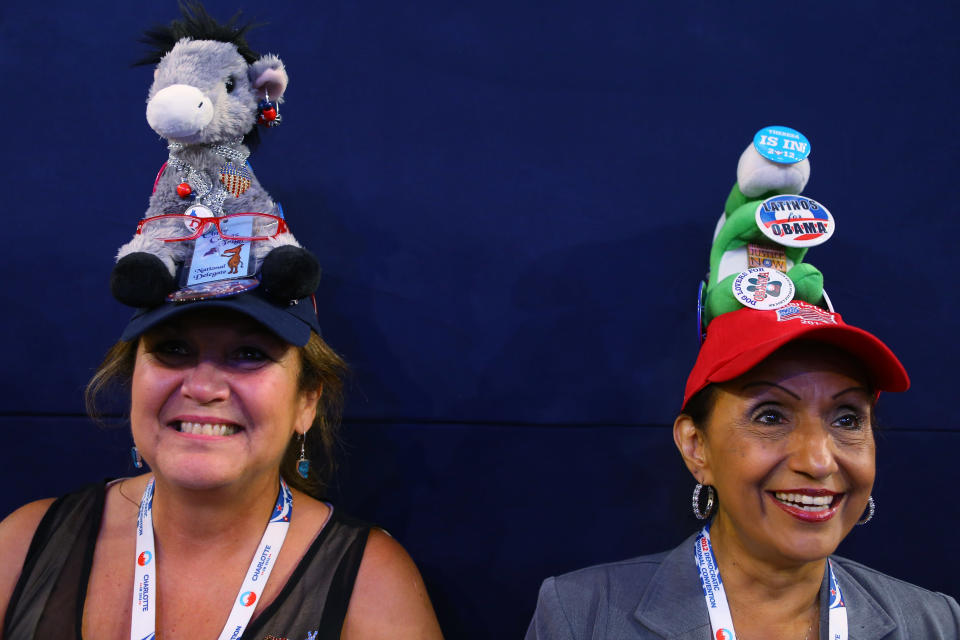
x: 777, y: 430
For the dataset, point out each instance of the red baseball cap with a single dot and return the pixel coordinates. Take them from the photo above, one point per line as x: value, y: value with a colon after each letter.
x: 739, y: 340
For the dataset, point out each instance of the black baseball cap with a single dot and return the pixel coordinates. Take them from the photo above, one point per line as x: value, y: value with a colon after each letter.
x: 293, y: 321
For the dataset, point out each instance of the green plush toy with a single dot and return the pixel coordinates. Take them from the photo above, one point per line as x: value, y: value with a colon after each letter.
x: 739, y: 243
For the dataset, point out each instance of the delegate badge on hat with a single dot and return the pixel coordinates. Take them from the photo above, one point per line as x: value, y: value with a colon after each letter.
x: 217, y: 258
x: 795, y: 221
x: 782, y: 144
x: 763, y: 288
x: 218, y: 266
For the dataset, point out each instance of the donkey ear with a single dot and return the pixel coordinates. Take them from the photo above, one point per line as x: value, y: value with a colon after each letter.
x: 267, y: 76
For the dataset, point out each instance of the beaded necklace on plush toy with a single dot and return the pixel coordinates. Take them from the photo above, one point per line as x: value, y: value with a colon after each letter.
x: 235, y: 175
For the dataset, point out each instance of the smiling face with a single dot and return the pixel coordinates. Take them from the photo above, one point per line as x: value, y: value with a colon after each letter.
x: 789, y: 449
x: 215, y: 400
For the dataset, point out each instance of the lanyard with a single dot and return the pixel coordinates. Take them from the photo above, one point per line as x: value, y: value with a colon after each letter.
x: 143, y: 619
x: 716, y: 597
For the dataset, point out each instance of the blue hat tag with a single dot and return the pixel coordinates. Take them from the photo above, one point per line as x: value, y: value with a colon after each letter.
x: 215, y: 289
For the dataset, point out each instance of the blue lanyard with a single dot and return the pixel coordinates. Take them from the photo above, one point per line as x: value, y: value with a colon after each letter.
x: 143, y: 618
x: 721, y: 621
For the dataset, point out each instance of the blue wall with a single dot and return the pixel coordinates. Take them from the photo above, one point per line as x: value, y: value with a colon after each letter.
x: 513, y: 204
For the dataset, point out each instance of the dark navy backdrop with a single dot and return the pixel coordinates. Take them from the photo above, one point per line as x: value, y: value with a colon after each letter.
x: 513, y: 204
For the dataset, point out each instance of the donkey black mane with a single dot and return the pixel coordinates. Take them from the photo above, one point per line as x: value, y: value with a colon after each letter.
x: 196, y: 24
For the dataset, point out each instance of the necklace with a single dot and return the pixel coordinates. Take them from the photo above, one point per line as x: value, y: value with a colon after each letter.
x: 208, y: 192
x: 143, y: 621
x: 721, y: 620
x: 816, y: 612
x: 126, y: 497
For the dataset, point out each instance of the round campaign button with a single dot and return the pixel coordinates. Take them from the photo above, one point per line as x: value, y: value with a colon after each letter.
x: 795, y: 221
x: 214, y: 289
x: 763, y: 288
x: 700, y: 297
x: 196, y: 211
x: 782, y: 144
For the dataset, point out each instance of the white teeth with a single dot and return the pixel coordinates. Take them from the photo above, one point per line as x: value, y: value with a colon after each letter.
x: 805, y: 502
x: 207, y: 429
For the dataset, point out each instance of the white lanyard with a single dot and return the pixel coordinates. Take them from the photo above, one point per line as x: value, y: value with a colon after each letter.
x: 143, y: 619
x: 716, y: 597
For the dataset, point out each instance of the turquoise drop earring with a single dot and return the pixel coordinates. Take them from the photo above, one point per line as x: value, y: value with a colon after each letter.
x: 303, y: 465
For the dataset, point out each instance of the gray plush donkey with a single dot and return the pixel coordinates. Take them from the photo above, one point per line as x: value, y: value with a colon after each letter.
x: 209, y: 89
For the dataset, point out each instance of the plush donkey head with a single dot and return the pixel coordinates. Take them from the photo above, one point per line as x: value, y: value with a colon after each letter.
x: 208, y: 83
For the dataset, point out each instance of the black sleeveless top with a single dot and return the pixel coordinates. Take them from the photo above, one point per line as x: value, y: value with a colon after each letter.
x: 47, y: 603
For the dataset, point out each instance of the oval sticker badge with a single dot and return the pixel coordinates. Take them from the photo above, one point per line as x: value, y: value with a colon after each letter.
x: 782, y: 144
x: 795, y: 221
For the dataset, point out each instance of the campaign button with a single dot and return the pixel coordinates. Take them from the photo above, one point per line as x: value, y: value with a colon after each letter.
x: 782, y: 144
x: 196, y: 211
x: 762, y: 288
x: 795, y: 221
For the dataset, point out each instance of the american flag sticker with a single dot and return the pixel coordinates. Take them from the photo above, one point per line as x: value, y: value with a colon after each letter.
x: 805, y: 313
x: 235, y: 179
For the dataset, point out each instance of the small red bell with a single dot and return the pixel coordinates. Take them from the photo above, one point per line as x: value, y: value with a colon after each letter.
x: 184, y: 190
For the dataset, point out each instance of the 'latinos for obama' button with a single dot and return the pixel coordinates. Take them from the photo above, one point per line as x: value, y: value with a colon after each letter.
x: 782, y: 144
x: 795, y: 221
x: 762, y: 288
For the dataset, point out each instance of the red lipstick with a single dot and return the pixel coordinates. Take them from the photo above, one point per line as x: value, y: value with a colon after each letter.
x: 791, y: 506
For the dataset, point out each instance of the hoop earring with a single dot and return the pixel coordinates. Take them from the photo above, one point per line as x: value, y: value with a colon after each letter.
x: 303, y: 465
x: 137, y: 460
x: 702, y: 515
x: 871, y: 509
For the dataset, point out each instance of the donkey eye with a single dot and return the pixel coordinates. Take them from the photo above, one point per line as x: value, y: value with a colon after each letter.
x: 229, y: 85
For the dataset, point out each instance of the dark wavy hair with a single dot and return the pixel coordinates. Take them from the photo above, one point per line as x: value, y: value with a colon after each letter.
x: 197, y: 24
x: 320, y: 366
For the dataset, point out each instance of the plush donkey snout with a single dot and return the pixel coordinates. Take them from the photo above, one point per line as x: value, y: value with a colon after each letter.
x: 179, y: 111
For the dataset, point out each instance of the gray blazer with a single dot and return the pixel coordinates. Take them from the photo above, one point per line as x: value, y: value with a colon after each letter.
x: 660, y: 596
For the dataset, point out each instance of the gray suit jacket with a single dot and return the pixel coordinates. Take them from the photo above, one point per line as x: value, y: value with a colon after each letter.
x: 660, y: 596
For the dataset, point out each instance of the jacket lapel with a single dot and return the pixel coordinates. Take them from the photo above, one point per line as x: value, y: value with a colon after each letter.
x: 672, y: 604
x: 866, y: 619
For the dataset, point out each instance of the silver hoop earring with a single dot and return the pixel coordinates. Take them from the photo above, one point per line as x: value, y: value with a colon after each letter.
x: 303, y: 465
x: 137, y: 460
x: 702, y: 515
x: 871, y: 509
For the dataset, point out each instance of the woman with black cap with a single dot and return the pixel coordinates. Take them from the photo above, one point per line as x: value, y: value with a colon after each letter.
x: 777, y: 430
x: 225, y: 537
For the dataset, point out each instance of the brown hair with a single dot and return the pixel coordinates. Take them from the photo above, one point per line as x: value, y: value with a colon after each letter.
x: 700, y: 405
x: 320, y: 368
